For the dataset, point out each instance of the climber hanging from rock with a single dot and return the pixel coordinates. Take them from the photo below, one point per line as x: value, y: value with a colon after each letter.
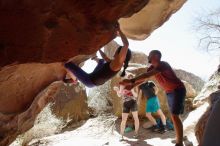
x: 106, y: 68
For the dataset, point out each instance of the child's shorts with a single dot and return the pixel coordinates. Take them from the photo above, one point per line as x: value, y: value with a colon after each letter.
x: 130, y: 105
x: 152, y: 105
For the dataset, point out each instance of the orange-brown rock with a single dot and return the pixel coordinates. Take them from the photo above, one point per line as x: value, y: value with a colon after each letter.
x: 55, y: 30
x: 202, y: 123
x: 11, y: 125
x: 20, y: 84
x: 21, y: 97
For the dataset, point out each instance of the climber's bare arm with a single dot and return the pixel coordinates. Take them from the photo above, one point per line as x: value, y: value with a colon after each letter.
x: 104, y: 56
x: 119, y: 59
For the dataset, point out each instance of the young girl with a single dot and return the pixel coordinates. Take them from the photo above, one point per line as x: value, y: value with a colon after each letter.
x: 150, y: 90
x: 105, y: 69
x: 129, y: 98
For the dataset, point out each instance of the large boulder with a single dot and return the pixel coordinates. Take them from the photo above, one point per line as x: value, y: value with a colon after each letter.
x: 194, y: 80
x: 138, y: 26
x: 32, y: 83
x: 209, y: 87
x: 50, y: 31
x: 70, y: 103
x: 209, y: 94
x: 202, y: 124
x: 68, y: 107
x: 21, y: 83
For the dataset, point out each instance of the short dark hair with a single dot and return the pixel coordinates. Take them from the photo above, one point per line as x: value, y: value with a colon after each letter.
x: 150, y: 84
x: 156, y: 52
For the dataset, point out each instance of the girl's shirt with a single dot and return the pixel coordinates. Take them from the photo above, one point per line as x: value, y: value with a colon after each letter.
x: 127, y: 95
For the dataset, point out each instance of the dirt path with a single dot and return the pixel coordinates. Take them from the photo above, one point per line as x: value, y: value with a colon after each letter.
x: 104, y: 131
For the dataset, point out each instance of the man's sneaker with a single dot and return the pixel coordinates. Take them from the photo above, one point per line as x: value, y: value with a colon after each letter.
x: 154, y: 128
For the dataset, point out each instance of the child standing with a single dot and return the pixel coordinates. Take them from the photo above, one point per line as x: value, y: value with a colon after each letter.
x: 129, y: 98
x: 149, y: 90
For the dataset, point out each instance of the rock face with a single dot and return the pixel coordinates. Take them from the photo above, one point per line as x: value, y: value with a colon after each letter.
x: 11, y: 125
x: 202, y: 124
x: 209, y: 87
x: 50, y: 31
x: 143, y: 28
x: 194, y: 80
x: 19, y: 109
x: 211, y: 94
x: 70, y: 103
x: 20, y: 84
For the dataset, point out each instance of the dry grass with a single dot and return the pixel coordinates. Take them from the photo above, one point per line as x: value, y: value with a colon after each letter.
x: 46, y: 124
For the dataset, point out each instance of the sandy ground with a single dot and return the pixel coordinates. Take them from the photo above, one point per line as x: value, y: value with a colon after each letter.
x: 104, y: 131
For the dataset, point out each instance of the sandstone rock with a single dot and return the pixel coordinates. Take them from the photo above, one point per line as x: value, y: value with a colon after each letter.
x: 21, y: 97
x: 210, y: 135
x: 68, y: 107
x: 194, y: 80
x: 50, y: 31
x: 190, y: 121
x: 20, y: 84
x: 11, y: 125
x: 139, y: 26
x: 209, y: 87
x: 98, y: 98
x: 202, y: 123
x: 70, y: 103
x: 209, y: 94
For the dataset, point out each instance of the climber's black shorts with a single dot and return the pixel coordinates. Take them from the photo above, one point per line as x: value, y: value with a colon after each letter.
x: 176, y: 101
x: 130, y: 105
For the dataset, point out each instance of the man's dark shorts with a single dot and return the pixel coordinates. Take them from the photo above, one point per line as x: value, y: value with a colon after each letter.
x: 130, y: 105
x: 176, y: 101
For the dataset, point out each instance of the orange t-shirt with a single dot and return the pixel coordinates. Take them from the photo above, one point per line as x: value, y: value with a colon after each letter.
x: 167, y: 77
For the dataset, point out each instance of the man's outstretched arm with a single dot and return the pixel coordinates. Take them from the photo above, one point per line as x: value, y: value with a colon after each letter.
x: 139, y: 79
